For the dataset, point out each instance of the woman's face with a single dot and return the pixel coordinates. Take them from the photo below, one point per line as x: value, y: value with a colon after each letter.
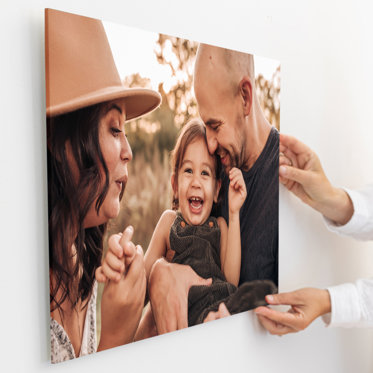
x: 117, y: 153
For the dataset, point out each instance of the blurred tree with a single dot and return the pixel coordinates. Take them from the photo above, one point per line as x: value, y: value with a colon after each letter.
x: 179, y: 55
x: 148, y: 192
x: 152, y: 137
x: 268, y: 92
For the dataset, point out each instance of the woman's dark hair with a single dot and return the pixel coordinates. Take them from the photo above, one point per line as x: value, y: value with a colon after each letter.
x: 193, y: 130
x: 69, y: 198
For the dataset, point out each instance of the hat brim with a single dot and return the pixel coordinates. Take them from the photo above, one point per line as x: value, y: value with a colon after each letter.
x: 138, y: 101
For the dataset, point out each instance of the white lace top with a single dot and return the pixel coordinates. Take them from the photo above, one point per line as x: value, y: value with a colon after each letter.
x: 61, y: 347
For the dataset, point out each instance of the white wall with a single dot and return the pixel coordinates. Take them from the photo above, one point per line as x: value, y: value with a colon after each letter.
x: 326, y: 55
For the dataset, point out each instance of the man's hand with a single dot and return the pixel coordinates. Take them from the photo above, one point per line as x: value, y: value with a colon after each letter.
x: 306, y: 305
x: 219, y: 314
x: 301, y: 172
x: 169, y: 285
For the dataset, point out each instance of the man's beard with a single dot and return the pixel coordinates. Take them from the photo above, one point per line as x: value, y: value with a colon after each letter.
x: 239, y: 159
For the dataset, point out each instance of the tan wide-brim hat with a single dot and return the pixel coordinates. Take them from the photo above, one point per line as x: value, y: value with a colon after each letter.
x: 80, y: 68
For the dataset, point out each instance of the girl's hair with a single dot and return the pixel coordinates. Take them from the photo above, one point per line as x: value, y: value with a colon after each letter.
x: 69, y: 199
x: 193, y: 130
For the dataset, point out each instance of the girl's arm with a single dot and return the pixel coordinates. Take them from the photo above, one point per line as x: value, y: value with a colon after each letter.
x: 230, y: 248
x: 157, y: 249
x: 158, y: 244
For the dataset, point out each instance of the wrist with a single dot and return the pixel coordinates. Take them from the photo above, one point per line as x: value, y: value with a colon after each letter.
x: 234, y: 216
x: 324, y: 301
x: 121, y: 330
x: 337, y: 206
x: 108, y: 341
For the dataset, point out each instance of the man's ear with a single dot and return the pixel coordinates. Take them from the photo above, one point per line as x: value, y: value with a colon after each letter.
x: 174, y: 185
x: 246, y: 91
x: 217, y: 190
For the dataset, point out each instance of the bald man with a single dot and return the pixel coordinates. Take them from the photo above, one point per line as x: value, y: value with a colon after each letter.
x: 237, y: 130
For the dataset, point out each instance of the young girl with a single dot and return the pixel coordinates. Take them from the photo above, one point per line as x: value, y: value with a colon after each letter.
x: 189, y: 235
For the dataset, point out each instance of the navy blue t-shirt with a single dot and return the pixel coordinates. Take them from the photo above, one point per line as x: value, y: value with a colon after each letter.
x: 258, y: 214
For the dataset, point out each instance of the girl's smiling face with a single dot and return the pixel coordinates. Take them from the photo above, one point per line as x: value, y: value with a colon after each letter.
x: 196, y: 185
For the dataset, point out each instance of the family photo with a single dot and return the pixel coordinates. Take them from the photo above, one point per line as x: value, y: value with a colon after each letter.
x: 163, y: 183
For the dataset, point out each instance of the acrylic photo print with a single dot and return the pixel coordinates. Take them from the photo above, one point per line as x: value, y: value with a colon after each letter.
x: 162, y: 182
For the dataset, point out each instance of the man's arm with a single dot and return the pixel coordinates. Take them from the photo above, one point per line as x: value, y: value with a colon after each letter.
x: 169, y: 285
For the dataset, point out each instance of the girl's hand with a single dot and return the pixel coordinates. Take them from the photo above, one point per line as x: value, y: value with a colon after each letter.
x: 219, y: 314
x: 237, y: 190
x: 121, y: 251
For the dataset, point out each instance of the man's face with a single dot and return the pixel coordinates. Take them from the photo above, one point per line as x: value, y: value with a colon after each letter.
x: 222, y: 113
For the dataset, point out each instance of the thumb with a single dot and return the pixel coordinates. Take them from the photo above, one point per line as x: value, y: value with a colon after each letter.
x: 223, y: 310
x: 293, y: 173
x: 126, y: 236
x: 282, y: 298
x: 203, y: 281
x: 99, y: 275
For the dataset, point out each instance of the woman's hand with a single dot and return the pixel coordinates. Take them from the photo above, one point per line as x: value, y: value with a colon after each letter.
x: 122, y: 302
x: 306, y: 305
x: 301, y: 173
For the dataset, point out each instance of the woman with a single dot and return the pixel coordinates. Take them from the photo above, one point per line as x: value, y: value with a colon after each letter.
x: 346, y: 212
x: 88, y: 153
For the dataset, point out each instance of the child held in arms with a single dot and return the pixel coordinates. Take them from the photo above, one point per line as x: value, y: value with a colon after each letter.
x: 189, y: 234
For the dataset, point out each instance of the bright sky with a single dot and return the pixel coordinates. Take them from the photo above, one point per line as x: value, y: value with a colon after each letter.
x: 133, y: 51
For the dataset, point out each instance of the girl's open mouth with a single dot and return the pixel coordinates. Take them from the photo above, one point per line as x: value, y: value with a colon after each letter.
x: 195, y: 204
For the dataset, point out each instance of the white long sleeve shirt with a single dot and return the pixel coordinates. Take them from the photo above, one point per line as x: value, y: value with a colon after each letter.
x: 352, y: 303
